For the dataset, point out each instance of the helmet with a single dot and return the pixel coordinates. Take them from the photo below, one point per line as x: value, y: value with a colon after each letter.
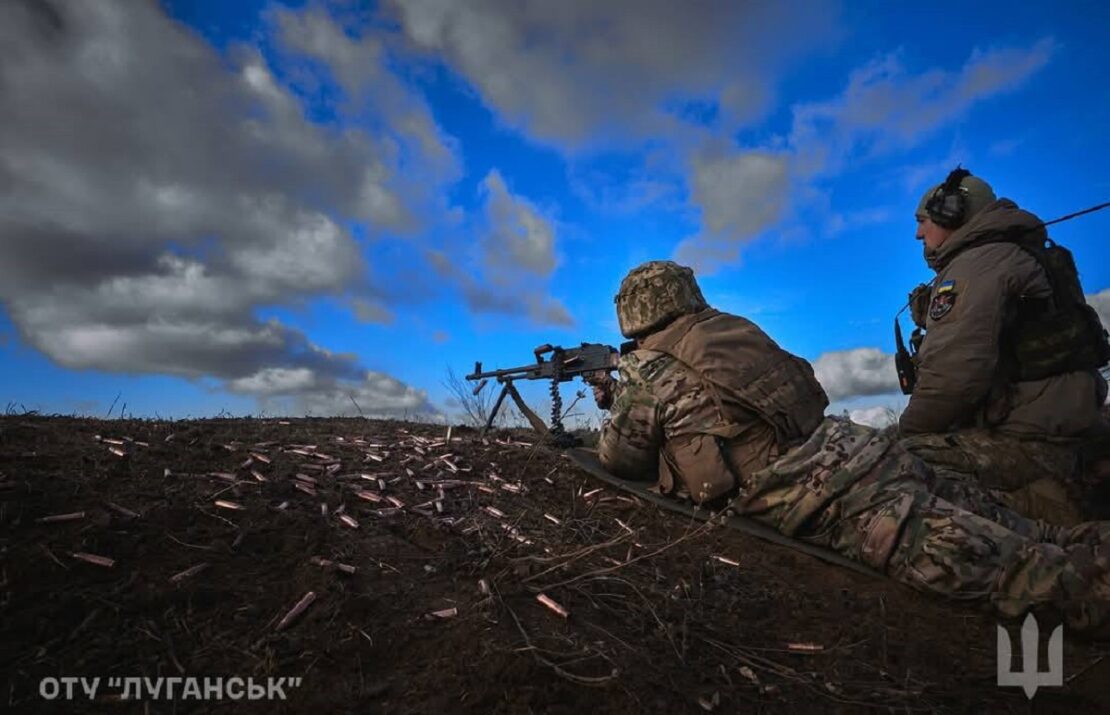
x: 655, y: 293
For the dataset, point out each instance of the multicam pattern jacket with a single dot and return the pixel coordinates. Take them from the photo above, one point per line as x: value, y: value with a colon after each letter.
x: 727, y: 408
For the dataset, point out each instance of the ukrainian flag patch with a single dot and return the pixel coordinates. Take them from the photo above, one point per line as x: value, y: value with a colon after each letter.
x: 946, y: 287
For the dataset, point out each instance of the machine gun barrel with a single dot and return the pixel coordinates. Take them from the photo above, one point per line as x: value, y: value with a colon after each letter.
x: 563, y: 364
x: 528, y: 372
x: 566, y: 363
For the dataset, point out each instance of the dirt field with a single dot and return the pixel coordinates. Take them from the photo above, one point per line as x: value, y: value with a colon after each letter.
x: 213, y: 538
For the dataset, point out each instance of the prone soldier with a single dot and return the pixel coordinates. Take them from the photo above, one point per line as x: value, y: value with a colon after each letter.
x: 708, y: 404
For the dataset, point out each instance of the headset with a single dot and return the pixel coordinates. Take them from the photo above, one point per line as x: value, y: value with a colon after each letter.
x: 948, y: 204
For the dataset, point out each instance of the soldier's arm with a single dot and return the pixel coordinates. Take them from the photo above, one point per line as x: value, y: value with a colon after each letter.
x: 631, y: 437
x: 958, y: 359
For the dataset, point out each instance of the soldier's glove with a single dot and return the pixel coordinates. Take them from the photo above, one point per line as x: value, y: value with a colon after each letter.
x: 919, y: 304
x: 603, y: 385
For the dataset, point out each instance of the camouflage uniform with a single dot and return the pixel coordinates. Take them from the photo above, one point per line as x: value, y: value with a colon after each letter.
x: 852, y: 489
x: 1025, y: 474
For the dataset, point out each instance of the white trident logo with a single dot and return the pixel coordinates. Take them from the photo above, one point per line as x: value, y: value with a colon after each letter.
x: 1029, y: 678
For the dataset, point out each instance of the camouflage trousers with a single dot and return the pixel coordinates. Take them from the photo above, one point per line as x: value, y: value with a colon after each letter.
x: 1036, y: 478
x: 850, y: 488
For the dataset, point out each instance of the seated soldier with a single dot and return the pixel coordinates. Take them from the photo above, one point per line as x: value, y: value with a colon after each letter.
x: 1007, y: 390
x: 709, y: 404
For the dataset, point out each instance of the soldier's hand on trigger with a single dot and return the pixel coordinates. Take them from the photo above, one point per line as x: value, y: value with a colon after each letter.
x: 603, y: 385
x: 919, y: 304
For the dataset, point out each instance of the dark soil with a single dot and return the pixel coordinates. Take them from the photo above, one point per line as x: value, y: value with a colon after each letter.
x: 657, y: 622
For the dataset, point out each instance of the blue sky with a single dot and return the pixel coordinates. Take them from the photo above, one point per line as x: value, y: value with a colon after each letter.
x: 285, y: 208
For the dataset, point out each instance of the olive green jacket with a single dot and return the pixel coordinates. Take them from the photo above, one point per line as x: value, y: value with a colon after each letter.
x: 960, y: 382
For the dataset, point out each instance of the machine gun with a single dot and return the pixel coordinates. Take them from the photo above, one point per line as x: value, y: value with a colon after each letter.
x: 563, y: 364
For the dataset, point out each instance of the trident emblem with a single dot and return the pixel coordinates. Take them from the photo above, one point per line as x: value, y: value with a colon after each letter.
x: 1029, y: 678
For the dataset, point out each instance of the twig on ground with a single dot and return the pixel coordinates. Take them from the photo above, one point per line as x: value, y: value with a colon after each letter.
x: 50, y: 553
x: 191, y: 546
x: 562, y: 560
x: 610, y: 569
x: 592, y: 681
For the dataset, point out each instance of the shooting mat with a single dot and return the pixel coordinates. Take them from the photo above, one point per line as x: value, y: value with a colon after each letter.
x: 587, y: 461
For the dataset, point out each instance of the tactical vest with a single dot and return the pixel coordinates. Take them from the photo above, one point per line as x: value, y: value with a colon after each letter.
x: 1042, y: 337
x: 747, y: 373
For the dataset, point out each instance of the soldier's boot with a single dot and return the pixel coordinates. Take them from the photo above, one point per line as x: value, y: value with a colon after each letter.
x: 1091, y: 533
x: 1073, y: 583
x: 943, y: 549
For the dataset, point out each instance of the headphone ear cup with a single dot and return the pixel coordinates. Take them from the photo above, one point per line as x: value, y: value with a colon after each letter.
x: 936, y: 207
x: 953, y: 210
x: 948, y: 204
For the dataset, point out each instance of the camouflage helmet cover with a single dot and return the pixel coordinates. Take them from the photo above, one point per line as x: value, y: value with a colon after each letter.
x: 655, y: 293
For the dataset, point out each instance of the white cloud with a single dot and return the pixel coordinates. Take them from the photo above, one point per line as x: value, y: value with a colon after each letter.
x: 839, y: 223
x: 706, y: 254
x: 517, y: 238
x: 509, y: 271
x: 370, y: 312
x: 307, y: 252
x: 874, y: 416
x: 577, y: 71
x: 659, y: 76
x: 886, y: 107
x: 527, y: 300
x: 274, y: 380
x: 740, y: 194
x: 861, y: 371
x: 300, y: 391
x: 605, y: 192
x: 359, y: 65
x: 156, y: 194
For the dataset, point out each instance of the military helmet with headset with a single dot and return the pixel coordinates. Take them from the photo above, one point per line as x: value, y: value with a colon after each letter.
x: 954, y: 201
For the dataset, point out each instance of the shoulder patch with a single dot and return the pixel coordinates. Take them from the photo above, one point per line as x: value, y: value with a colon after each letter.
x: 942, y: 303
x: 946, y: 287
